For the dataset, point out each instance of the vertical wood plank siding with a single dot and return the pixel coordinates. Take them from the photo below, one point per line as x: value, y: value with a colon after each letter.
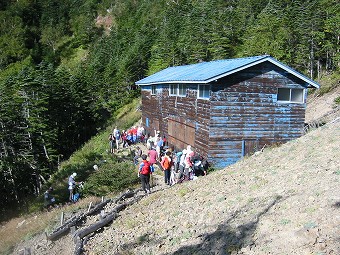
x: 187, y: 112
x: 244, y: 108
x: 241, y: 115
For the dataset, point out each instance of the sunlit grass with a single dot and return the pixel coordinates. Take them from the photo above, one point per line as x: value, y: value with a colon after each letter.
x: 26, y: 227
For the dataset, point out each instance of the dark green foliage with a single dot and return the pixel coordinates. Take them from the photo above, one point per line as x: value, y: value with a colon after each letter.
x: 111, y: 178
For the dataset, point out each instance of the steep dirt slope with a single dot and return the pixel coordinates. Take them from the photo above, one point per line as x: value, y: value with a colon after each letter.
x: 319, y: 106
x: 285, y: 200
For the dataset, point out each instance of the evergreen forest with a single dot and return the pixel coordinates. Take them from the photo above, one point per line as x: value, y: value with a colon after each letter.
x: 66, y: 66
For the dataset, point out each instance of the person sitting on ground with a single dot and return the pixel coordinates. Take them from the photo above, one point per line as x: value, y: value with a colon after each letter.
x: 49, y: 200
x: 144, y: 172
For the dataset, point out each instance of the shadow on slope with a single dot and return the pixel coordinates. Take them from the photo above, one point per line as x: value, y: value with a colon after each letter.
x: 230, y: 236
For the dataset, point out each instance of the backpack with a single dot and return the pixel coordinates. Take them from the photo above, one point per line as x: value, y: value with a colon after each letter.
x: 146, y: 168
x: 166, y: 163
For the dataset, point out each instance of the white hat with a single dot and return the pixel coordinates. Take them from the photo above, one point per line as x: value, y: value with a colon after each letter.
x: 74, y: 174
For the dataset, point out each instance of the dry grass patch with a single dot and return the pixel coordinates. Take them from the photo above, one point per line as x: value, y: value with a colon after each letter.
x: 26, y: 227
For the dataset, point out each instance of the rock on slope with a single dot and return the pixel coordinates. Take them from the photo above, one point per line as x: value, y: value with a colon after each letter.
x: 282, y: 201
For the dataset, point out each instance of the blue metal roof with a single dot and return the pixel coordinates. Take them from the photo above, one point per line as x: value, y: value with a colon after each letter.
x: 206, y: 72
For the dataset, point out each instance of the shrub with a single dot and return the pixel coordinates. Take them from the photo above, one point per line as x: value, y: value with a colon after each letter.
x: 111, y: 178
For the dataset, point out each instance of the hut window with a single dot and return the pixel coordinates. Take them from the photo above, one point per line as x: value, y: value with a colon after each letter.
x: 290, y: 95
x: 177, y: 89
x: 153, y: 89
x: 182, y: 89
x: 173, y: 89
x: 203, y: 91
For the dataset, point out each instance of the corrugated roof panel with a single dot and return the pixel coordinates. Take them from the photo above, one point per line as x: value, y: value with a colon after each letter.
x: 197, y: 72
x: 207, y: 71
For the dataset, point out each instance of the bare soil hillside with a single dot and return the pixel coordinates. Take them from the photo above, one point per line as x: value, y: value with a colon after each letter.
x: 322, y: 106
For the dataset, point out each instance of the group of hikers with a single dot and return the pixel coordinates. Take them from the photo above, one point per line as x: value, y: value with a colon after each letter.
x: 125, y: 137
x: 177, y: 166
x: 73, y: 189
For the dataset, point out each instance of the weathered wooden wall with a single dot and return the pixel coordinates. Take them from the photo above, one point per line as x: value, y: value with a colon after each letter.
x: 245, y: 112
x: 183, y: 120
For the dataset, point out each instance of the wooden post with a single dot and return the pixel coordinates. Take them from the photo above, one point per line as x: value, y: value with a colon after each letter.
x: 89, y: 207
x: 62, y: 218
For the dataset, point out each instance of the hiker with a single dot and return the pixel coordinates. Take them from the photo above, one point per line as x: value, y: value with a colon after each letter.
x: 140, y: 133
x: 138, y: 154
x: 152, y: 156
x: 144, y: 172
x: 166, y: 165
x: 71, y: 185
x: 116, y: 134
x: 181, y: 165
x: 124, y: 139
x: 76, y: 191
x: 150, y: 142
x: 134, y: 134
x: 112, y: 143
x: 188, y: 163
x: 49, y: 200
x: 159, y: 146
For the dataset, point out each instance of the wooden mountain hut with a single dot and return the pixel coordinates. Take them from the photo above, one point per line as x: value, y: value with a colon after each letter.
x: 226, y: 109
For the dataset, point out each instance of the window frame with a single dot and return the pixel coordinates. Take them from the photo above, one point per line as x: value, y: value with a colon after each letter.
x: 293, y: 92
x: 178, y: 89
x: 153, y: 89
x: 182, y: 92
x: 173, y: 89
x: 204, y: 91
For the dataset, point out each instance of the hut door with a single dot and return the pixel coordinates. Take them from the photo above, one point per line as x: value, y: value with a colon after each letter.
x: 250, y: 146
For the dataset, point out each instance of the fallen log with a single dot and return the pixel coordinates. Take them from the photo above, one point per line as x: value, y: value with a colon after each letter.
x: 105, y: 220
x: 127, y: 194
x: 98, y: 207
x: 79, y: 246
x: 94, y: 227
x: 64, y: 229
